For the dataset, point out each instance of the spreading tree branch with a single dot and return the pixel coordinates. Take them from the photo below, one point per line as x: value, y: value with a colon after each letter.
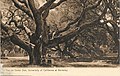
x: 23, y: 8
x: 76, y: 32
x: 24, y: 1
x: 14, y: 39
x: 54, y: 5
x: 45, y: 6
x: 81, y: 17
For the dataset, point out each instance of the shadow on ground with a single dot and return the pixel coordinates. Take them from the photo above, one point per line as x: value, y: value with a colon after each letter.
x: 23, y: 62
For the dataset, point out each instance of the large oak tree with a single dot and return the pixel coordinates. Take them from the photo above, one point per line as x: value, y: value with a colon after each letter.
x: 39, y: 40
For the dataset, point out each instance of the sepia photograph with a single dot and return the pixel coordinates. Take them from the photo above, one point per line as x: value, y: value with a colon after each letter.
x: 60, y: 33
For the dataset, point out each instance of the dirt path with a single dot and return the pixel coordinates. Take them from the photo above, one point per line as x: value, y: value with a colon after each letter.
x: 23, y: 62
